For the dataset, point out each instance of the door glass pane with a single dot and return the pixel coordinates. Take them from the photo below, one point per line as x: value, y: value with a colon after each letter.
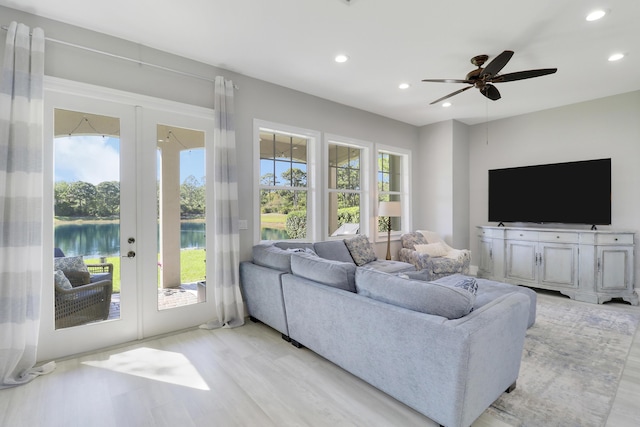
x: 181, y: 216
x: 86, y: 218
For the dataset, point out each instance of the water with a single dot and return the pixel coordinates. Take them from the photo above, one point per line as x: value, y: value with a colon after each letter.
x: 273, y: 234
x: 103, y: 239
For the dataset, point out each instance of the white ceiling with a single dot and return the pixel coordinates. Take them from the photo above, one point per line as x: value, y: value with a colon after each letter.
x: 292, y: 43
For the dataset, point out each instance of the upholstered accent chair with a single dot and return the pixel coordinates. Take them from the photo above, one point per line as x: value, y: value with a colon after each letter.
x: 430, y: 254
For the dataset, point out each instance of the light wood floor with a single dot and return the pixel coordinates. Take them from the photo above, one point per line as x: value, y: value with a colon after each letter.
x: 246, y: 376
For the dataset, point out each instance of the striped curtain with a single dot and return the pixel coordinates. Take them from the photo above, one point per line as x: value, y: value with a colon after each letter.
x: 226, y: 253
x: 21, y: 114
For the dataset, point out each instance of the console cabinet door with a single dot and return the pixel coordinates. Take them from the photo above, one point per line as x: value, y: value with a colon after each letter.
x: 558, y: 264
x: 614, y: 268
x: 485, y: 264
x: 522, y: 261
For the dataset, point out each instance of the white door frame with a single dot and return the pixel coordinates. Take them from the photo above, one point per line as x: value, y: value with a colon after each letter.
x: 137, y: 320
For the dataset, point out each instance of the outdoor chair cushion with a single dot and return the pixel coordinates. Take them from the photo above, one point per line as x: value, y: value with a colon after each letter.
x: 74, y: 269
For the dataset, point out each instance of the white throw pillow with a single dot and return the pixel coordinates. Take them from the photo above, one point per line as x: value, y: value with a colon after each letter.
x: 432, y: 249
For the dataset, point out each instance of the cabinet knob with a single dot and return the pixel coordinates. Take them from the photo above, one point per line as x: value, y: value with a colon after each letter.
x: 616, y: 239
x: 557, y: 237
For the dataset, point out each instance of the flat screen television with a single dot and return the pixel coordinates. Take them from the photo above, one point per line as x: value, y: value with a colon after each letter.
x: 564, y: 193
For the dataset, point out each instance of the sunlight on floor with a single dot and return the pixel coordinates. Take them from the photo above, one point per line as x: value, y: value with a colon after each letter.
x: 153, y: 364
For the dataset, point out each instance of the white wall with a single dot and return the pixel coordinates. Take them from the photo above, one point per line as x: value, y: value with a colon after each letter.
x: 254, y: 99
x: 607, y: 127
x: 441, y: 185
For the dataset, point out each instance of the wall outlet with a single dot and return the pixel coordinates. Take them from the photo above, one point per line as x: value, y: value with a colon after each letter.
x: 242, y: 224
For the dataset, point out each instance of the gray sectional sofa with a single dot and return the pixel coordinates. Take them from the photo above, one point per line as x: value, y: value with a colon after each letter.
x: 436, y: 346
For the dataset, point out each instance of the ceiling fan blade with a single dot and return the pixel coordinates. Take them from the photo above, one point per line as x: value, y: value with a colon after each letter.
x: 497, y: 64
x: 450, y: 95
x: 521, y: 75
x: 447, y: 81
x: 491, y: 92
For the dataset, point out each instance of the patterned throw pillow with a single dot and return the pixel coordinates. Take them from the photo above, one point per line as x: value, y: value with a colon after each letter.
x: 360, y: 249
x: 468, y: 284
x: 61, y: 281
x: 74, y: 269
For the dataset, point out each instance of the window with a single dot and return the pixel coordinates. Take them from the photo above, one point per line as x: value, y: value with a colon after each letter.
x: 284, y: 184
x: 393, y: 182
x: 346, y: 194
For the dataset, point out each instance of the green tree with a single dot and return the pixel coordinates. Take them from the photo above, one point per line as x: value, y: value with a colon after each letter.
x: 192, y: 197
x: 82, y: 198
x: 108, y: 198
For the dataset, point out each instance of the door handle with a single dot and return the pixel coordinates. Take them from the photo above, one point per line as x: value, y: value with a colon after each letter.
x: 130, y: 254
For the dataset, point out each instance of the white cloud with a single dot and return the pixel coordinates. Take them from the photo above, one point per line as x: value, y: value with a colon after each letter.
x: 91, y: 159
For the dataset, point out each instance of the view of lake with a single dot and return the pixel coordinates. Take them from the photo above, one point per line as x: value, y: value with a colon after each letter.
x: 93, y: 240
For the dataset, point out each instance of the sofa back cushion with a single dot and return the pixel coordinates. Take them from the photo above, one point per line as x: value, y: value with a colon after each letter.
x: 427, y: 297
x: 334, y: 250
x: 338, y: 274
x: 278, y: 255
x: 360, y: 249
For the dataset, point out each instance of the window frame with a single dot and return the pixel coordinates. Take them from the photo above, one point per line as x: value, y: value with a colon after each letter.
x: 313, y: 138
x: 364, y: 192
x: 404, y: 192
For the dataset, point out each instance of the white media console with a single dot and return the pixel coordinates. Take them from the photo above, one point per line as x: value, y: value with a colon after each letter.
x: 586, y: 265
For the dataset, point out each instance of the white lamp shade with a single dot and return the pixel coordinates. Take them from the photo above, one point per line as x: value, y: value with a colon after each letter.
x: 389, y: 209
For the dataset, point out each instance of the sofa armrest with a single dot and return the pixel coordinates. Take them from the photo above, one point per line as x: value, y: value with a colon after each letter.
x: 262, y: 292
x: 419, y: 261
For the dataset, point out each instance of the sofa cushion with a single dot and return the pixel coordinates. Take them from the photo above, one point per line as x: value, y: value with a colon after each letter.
x: 334, y: 250
x: 426, y: 297
x: 391, y: 267
x: 74, y: 269
x: 337, y: 274
x: 360, y: 249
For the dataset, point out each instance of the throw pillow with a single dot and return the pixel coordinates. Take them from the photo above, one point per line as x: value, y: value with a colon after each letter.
x: 337, y: 274
x: 360, y: 249
x: 426, y: 297
x: 432, y: 249
x: 469, y: 284
x: 61, y: 281
x: 74, y: 269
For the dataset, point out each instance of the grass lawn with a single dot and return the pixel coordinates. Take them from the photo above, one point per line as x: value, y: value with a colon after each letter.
x: 273, y: 220
x: 192, y: 267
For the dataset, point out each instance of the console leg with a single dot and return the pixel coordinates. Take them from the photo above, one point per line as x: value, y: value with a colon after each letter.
x: 296, y: 344
x: 511, y: 387
x: 286, y: 338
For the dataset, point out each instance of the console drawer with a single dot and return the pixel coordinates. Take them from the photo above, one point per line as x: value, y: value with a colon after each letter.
x: 558, y: 237
x: 522, y: 235
x: 614, y: 239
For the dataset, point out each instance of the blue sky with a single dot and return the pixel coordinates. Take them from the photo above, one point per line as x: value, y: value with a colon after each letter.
x: 96, y: 159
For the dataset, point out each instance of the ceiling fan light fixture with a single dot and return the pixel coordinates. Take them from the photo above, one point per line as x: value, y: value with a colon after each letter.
x: 446, y: 104
x: 404, y: 86
x: 616, y: 57
x: 596, y: 14
x: 341, y: 58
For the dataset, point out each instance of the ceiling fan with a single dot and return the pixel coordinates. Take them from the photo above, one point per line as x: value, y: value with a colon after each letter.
x: 482, y: 78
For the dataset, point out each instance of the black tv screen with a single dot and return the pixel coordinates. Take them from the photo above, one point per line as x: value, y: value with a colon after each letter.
x: 570, y: 193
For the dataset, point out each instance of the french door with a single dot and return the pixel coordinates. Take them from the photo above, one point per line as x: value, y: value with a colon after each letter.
x: 127, y: 208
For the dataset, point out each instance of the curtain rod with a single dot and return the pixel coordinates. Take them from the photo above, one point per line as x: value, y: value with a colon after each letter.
x: 126, y: 58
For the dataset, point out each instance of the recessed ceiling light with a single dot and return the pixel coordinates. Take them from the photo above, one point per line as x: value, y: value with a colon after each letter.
x: 404, y: 86
x: 616, y: 57
x: 341, y: 58
x: 596, y: 14
x: 446, y: 104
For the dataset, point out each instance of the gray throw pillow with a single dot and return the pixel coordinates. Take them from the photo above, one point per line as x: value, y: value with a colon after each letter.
x: 361, y: 249
x: 331, y: 273
x: 61, y: 281
x: 426, y: 297
x: 74, y: 269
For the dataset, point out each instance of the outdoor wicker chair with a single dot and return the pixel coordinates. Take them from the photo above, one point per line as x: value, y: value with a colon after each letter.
x: 82, y: 304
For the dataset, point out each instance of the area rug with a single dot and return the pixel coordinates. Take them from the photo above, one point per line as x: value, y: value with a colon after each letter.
x: 572, y: 362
